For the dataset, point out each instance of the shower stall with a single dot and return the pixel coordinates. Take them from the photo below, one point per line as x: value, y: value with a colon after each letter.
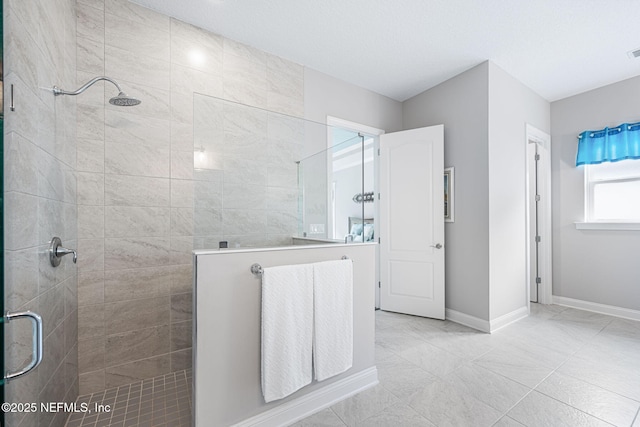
x: 135, y: 190
x: 257, y: 178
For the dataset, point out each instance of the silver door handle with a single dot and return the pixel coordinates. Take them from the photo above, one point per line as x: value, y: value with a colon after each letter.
x: 36, y: 354
x: 437, y: 246
x: 56, y: 251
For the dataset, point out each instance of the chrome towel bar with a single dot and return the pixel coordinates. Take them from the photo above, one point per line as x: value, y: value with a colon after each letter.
x: 257, y: 268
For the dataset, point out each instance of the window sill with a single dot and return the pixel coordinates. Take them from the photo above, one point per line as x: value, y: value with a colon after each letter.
x: 607, y: 225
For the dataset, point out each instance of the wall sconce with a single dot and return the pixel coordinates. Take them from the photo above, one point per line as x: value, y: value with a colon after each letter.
x: 196, y: 57
x: 202, y: 160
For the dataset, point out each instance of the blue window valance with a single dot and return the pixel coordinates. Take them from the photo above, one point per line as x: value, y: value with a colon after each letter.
x: 609, y: 144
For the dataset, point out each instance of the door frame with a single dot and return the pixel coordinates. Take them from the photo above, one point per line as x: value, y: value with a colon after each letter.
x: 367, y: 130
x: 534, y: 135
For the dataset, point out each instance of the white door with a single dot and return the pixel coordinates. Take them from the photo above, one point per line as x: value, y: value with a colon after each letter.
x: 412, y: 222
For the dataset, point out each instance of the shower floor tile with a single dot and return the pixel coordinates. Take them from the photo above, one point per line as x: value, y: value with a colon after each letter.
x: 157, y: 402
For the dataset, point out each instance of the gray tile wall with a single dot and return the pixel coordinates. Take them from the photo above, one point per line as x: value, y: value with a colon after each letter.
x: 40, y: 200
x: 136, y: 180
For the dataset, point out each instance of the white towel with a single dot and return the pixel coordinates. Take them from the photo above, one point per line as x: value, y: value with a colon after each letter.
x: 333, y: 318
x: 287, y: 329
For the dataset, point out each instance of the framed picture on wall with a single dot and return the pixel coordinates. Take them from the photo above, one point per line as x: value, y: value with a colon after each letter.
x: 448, y: 195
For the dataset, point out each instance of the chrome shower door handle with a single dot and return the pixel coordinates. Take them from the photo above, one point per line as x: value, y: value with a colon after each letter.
x: 37, y: 351
x: 437, y: 246
x: 56, y: 251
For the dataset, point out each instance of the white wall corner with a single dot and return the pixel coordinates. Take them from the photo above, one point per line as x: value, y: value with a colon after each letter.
x: 304, y: 406
x: 507, y: 319
x: 466, y: 320
x: 611, y: 310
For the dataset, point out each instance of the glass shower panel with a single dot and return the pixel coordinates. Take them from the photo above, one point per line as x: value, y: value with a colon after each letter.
x: 346, y: 182
x: 353, y: 182
x: 245, y: 180
x: 261, y: 178
x: 346, y: 177
x: 370, y: 187
x: 331, y: 189
x: 312, y: 201
x: 208, y: 171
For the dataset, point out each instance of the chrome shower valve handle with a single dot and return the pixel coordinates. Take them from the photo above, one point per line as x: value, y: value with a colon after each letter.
x: 64, y: 251
x: 57, y: 251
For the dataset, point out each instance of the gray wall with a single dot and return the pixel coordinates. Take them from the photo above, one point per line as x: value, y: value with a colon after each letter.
x: 40, y: 201
x: 511, y: 106
x: 327, y: 96
x: 591, y: 265
x: 461, y: 104
x: 484, y: 112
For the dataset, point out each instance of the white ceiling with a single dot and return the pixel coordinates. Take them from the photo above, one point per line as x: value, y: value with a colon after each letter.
x: 400, y: 48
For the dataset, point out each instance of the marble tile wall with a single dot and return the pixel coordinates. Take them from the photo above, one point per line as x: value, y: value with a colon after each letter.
x: 142, y: 207
x: 40, y: 201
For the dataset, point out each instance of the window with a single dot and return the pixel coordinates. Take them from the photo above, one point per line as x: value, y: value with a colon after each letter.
x: 612, y: 192
x: 611, y: 158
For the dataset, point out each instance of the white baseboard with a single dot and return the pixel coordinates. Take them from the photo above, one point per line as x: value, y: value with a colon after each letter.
x: 466, y: 320
x: 508, y: 318
x: 484, y: 325
x: 297, y: 409
x: 611, y: 310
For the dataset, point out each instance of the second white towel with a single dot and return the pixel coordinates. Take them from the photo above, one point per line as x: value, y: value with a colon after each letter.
x: 287, y: 329
x: 333, y: 318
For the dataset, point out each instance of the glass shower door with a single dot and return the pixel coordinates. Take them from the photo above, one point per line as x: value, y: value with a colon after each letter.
x: 7, y: 316
x: 1, y: 247
x: 2, y: 207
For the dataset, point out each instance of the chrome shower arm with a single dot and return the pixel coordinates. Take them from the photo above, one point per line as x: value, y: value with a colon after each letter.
x: 120, y: 100
x: 57, y: 91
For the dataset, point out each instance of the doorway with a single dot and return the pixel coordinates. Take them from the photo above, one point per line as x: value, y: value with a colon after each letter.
x: 340, y: 167
x: 413, y: 267
x: 538, y: 202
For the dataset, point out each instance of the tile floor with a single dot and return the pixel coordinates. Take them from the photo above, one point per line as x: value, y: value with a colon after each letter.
x: 163, y: 401
x: 557, y: 367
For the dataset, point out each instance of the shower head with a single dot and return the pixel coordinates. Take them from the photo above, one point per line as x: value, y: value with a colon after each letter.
x: 122, y: 100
